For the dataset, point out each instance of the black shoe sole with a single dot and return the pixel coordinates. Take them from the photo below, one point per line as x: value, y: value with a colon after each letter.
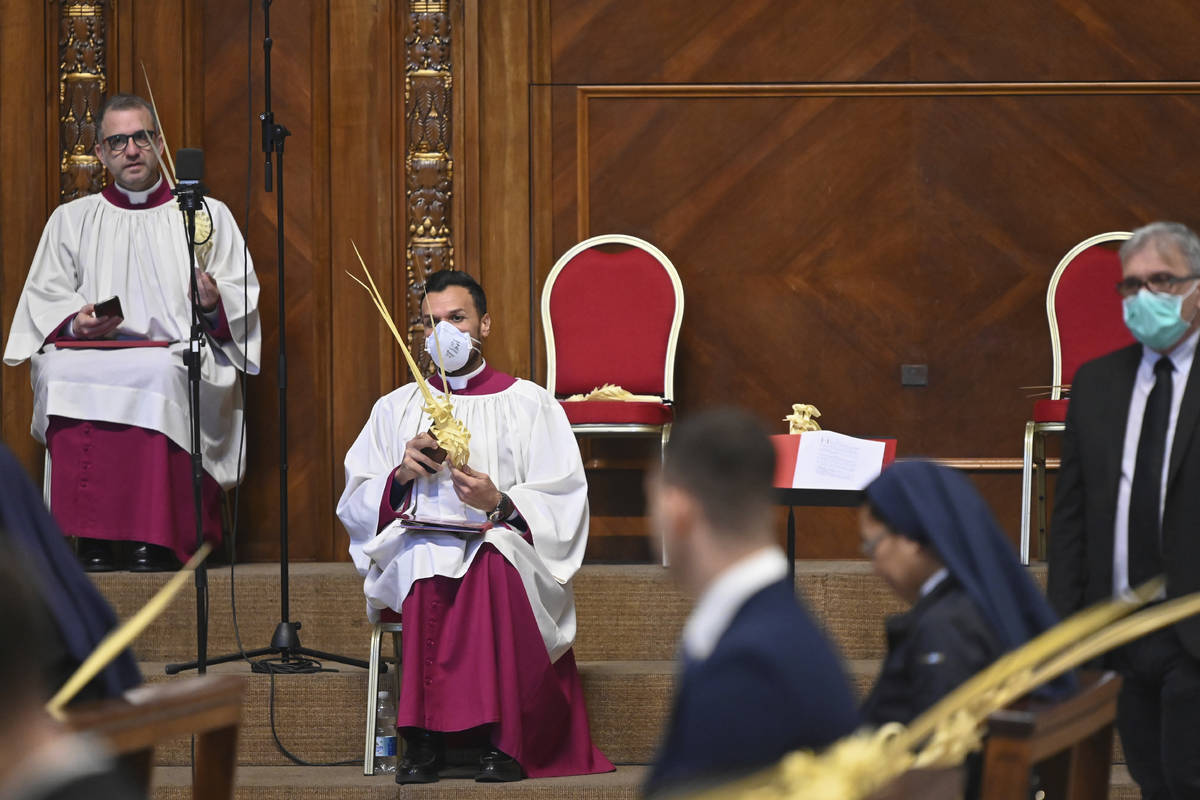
x: 151, y: 567
x: 411, y: 778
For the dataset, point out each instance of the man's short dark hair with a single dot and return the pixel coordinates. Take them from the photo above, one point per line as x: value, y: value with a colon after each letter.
x: 121, y: 102
x: 725, y: 460
x: 445, y: 278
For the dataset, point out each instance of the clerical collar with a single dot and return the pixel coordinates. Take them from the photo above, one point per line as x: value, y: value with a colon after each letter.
x: 459, y: 382
x: 153, y: 197
x: 484, y: 380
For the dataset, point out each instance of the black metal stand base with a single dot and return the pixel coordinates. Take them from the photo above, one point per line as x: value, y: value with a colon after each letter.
x: 285, y: 644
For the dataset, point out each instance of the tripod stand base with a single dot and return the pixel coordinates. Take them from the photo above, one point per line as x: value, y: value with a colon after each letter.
x: 285, y: 644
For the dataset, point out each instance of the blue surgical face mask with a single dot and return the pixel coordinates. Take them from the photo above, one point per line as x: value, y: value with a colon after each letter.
x: 1154, y: 318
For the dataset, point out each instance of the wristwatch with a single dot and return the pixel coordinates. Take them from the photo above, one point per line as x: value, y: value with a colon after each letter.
x: 503, y: 509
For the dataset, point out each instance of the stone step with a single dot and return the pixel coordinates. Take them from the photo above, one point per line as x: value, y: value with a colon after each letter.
x: 348, y: 783
x: 625, y: 612
x: 321, y: 717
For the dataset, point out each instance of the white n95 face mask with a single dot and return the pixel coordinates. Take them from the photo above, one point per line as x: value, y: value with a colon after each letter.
x: 449, y: 347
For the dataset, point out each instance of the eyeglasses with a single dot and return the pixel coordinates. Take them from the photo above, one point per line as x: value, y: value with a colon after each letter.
x: 119, y: 141
x: 1159, y: 283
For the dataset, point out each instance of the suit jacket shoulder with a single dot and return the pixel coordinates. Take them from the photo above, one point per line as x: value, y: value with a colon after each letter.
x: 773, y: 684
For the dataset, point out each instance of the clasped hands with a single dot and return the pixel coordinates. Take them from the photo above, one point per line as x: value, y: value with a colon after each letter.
x: 86, y: 325
x: 473, y: 488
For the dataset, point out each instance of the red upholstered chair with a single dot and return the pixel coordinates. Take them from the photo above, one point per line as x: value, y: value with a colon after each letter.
x: 611, y: 311
x: 1086, y: 321
x: 389, y: 622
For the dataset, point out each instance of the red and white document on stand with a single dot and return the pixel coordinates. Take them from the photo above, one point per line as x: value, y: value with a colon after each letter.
x: 828, y: 460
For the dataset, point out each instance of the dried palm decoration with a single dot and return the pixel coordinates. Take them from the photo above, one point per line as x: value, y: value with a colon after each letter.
x: 868, y: 760
x: 802, y: 419
x: 611, y: 391
x: 166, y: 165
x: 452, y: 436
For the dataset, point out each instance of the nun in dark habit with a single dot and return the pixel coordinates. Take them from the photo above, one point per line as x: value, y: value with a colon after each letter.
x: 934, y: 540
x: 80, y: 614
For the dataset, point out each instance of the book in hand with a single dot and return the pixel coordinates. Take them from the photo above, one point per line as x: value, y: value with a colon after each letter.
x: 828, y: 460
x: 463, y: 530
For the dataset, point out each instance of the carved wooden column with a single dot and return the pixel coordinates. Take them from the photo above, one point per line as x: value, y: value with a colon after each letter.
x: 82, y: 81
x: 429, y: 169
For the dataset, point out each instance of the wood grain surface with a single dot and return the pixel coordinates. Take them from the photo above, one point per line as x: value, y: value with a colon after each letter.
x: 844, y: 188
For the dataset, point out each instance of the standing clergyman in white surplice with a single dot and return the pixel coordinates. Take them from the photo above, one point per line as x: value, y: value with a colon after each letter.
x: 110, y: 386
x: 489, y: 619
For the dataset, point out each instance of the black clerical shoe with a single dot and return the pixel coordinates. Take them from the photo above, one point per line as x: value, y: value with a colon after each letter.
x: 423, y: 757
x: 95, y: 555
x: 150, y: 558
x: 496, y: 767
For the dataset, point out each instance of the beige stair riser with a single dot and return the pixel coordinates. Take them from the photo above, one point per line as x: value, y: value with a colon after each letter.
x: 321, y: 717
x: 625, y: 612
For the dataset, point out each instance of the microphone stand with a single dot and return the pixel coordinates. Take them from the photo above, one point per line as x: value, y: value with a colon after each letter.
x: 190, y: 198
x: 286, y: 640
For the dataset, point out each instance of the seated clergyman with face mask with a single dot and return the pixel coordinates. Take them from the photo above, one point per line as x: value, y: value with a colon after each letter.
x: 488, y: 611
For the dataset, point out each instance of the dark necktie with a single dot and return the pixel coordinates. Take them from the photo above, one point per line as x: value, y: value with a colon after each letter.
x: 1145, y: 547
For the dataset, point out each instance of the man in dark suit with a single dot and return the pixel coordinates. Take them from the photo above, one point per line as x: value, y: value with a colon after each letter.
x: 1127, y: 505
x: 758, y: 679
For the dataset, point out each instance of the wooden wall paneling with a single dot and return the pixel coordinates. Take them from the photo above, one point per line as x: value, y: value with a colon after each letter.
x: 712, y: 41
x: 233, y: 171
x: 326, y: 473
x: 28, y: 144
x: 542, y: 253
x: 365, y: 143
x: 823, y: 241
x: 156, y: 34
x: 503, y: 160
x: 466, y: 100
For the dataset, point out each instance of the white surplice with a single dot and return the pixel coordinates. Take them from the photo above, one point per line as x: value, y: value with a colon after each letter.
x: 92, y: 249
x: 520, y: 438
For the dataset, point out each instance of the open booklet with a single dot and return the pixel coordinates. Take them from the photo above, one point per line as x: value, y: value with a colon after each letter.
x: 411, y: 521
x: 828, y: 460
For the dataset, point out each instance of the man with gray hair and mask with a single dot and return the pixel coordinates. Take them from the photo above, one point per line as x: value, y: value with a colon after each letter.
x: 1127, y: 507
x: 488, y: 610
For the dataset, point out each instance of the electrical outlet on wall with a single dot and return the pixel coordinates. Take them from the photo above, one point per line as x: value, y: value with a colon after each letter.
x: 914, y: 374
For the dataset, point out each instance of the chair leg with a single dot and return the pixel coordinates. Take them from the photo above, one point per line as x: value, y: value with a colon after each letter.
x: 372, y: 699
x: 666, y: 437
x: 1039, y: 464
x: 1026, y: 489
x: 46, y: 478
x: 396, y: 678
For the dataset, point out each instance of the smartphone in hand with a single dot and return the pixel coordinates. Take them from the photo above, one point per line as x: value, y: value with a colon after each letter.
x: 109, y: 308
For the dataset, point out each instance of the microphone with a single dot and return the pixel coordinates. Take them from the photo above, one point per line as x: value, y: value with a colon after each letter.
x: 189, y: 170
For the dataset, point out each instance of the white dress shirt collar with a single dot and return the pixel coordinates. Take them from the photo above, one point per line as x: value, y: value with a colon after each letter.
x: 725, y: 596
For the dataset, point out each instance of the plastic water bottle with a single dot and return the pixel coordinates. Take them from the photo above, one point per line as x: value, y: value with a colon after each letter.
x: 385, y: 734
